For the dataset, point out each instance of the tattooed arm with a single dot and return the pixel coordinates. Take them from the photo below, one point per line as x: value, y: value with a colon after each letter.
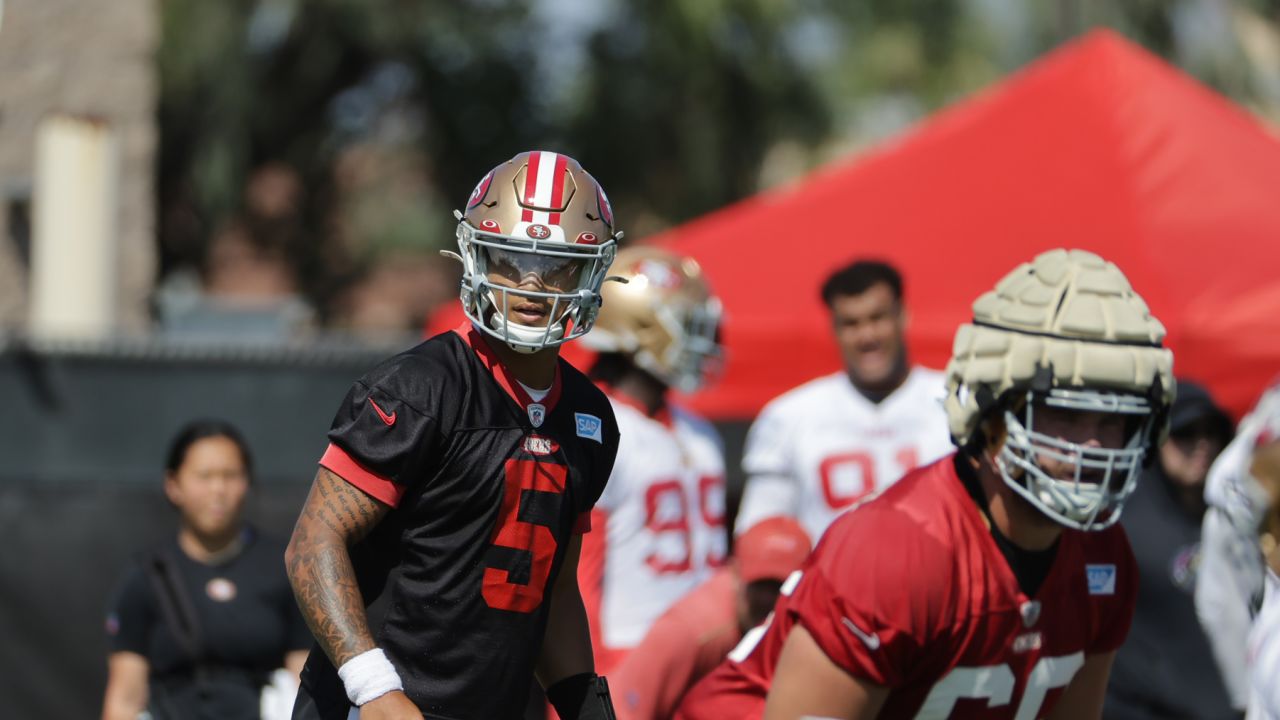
x: 336, y: 515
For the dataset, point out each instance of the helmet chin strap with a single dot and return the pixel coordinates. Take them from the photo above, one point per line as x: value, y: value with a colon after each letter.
x: 526, y: 333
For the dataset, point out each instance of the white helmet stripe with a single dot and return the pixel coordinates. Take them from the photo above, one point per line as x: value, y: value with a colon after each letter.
x: 542, y: 174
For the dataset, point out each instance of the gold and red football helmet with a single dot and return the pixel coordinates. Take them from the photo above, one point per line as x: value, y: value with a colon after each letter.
x: 664, y: 317
x: 538, y: 214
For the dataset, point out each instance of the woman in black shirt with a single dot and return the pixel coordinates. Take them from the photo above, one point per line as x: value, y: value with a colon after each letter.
x: 198, y: 625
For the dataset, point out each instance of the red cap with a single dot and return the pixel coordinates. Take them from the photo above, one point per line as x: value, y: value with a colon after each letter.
x: 771, y: 550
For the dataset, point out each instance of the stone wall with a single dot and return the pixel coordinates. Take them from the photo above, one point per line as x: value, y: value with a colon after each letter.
x: 90, y: 58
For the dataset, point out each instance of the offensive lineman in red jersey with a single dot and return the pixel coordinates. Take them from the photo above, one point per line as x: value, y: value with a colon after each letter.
x: 440, y: 542
x: 992, y: 583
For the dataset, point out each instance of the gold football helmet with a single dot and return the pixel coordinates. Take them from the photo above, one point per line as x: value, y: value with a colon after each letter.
x: 538, y: 220
x: 664, y: 317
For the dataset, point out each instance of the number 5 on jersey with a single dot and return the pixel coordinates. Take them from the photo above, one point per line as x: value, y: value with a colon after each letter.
x: 518, y: 562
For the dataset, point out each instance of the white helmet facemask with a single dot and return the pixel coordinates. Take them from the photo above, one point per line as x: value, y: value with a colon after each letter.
x: 696, y: 349
x: 1102, y: 478
x: 570, y: 275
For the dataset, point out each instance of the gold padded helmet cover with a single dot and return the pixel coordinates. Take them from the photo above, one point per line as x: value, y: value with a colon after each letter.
x: 1070, y: 326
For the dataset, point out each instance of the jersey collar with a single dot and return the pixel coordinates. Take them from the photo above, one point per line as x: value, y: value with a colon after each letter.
x: 476, y: 340
x: 979, y: 520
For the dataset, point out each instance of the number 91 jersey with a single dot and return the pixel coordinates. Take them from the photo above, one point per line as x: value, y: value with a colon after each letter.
x: 910, y: 592
x: 819, y: 449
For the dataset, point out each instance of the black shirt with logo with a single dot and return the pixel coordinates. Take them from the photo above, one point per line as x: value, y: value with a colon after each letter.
x: 488, y: 488
x: 247, y: 621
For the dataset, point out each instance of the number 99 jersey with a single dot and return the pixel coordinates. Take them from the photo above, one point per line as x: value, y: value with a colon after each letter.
x: 911, y: 592
x: 658, y: 529
x: 488, y: 489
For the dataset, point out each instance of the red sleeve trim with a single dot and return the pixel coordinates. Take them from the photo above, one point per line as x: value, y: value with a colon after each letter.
x: 372, y: 484
x: 583, y: 524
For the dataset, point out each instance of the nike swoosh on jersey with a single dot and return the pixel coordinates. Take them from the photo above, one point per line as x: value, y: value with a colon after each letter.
x: 388, y: 419
x: 871, y: 640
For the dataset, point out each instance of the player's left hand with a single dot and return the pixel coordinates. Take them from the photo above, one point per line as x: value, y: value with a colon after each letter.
x: 582, y: 697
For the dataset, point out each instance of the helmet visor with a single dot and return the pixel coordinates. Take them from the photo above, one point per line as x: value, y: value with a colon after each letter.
x: 561, y: 273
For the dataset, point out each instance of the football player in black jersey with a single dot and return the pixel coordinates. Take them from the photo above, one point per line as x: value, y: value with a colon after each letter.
x: 439, y: 544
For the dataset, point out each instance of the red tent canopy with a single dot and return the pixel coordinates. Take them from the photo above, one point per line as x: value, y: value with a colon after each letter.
x: 1099, y: 146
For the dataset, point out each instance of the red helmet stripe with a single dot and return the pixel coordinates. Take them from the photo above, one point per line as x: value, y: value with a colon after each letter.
x: 557, y: 189
x: 530, y: 185
x: 531, y: 178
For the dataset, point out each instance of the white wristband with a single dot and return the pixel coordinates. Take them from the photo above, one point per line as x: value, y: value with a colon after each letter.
x: 369, y: 675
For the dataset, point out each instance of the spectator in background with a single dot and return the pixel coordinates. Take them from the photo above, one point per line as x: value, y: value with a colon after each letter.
x: 1166, y: 668
x: 691, y: 638
x: 659, y: 525
x: 818, y: 449
x: 198, y: 626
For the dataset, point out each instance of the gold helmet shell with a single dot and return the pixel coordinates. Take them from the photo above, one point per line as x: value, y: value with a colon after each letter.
x: 665, y: 317
x: 540, y: 207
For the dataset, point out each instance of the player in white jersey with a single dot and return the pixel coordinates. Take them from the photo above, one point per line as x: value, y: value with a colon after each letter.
x: 659, y: 526
x: 821, y: 447
x: 1263, y: 647
x: 1229, y: 583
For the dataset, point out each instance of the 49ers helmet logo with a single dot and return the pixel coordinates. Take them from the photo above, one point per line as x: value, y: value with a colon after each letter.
x: 538, y: 231
x: 481, y: 190
x: 606, y: 210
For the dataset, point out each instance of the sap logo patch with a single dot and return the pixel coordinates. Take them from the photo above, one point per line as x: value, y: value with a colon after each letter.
x: 538, y: 445
x: 589, y: 426
x: 1102, y: 579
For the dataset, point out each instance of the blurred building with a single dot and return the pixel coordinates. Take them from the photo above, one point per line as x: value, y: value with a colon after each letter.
x: 86, y: 64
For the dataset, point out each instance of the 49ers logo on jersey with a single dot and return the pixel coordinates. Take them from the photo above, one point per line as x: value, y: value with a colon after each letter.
x: 538, y: 445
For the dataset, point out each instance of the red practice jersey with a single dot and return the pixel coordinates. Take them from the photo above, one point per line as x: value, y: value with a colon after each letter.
x: 911, y: 592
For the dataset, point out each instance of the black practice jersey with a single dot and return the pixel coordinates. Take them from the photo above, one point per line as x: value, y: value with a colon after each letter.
x: 488, y: 489
x: 247, y: 622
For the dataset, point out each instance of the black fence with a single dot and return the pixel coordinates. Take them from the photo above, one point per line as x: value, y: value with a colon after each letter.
x: 82, y: 441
